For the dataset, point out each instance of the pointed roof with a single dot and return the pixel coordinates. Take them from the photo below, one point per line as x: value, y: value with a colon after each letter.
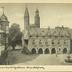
x: 26, y: 12
x: 3, y: 18
x: 37, y: 12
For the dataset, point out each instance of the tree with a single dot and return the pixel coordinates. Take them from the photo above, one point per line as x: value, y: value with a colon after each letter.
x: 15, y: 35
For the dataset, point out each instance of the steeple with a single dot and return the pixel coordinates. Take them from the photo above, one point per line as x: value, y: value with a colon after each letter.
x: 37, y: 18
x: 4, y: 20
x: 26, y: 23
x: 3, y: 17
x: 37, y: 12
x: 26, y: 12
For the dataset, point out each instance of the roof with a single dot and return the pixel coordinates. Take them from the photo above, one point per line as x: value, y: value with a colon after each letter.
x: 58, y: 31
x: 26, y: 12
x: 3, y: 18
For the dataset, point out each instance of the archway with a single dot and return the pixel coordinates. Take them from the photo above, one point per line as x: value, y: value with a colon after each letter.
x: 33, y: 51
x: 46, y: 51
x: 40, y: 51
x: 64, y: 50
x: 53, y: 51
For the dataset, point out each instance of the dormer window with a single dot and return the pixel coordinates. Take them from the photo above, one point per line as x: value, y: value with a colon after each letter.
x: 52, y: 42
x: 30, y: 35
x: 58, y: 42
x: 62, y: 36
x: 64, y: 42
x: 36, y: 35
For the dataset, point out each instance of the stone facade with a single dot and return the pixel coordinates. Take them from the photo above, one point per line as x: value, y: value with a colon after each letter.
x: 45, y: 40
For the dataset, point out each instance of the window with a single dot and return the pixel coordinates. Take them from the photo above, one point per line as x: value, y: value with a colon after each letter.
x: 58, y: 42
x: 36, y: 35
x: 56, y: 36
x: 52, y: 42
x: 30, y: 35
x: 64, y: 42
x: 62, y: 36
x: 33, y: 42
x: 50, y: 36
x: 46, y: 43
x: 40, y: 42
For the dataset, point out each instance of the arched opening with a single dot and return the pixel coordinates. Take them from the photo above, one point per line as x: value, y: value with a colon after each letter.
x: 65, y: 50
x: 40, y: 51
x: 33, y: 51
x: 53, y: 51
x: 46, y: 51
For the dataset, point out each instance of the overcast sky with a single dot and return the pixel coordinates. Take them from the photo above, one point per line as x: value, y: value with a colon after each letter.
x: 51, y: 14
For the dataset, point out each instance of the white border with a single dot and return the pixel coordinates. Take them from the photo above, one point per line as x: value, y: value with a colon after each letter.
x: 14, y: 68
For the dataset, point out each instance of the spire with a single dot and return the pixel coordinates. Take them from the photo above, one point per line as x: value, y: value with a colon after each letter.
x: 3, y: 17
x: 26, y: 12
x: 37, y: 12
x: 26, y: 18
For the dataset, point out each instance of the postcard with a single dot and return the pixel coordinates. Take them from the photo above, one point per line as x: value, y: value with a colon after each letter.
x: 36, y: 36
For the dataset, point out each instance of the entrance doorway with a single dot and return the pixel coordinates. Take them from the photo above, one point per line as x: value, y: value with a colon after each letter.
x: 40, y: 51
x: 46, y: 51
x: 53, y: 51
x: 33, y: 51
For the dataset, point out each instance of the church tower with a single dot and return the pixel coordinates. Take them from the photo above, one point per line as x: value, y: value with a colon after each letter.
x: 26, y: 23
x: 37, y: 18
x: 26, y: 31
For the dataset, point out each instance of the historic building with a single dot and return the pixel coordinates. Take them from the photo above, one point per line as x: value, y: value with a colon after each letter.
x: 38, y: 40
x: 4, y: 30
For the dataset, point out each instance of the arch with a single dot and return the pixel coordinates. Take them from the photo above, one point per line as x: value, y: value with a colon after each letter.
x: 53, y: 51
x: 64, y: 50
x: 46, y: 51
x: 33, y: 51
x: 40, y: 51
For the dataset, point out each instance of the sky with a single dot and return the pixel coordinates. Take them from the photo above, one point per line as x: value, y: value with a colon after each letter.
x: 51, y: 14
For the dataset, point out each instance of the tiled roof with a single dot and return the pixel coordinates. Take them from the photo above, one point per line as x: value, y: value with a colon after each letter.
x: 58, y: 31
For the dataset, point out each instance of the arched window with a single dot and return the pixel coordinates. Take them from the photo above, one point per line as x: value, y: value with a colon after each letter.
x: 33, y: 51
x: 46, y: 51
x: 40, y: 51
x: 40, y: 42
x: 46, y: 43
x: 53, y: 51
x: 65, y: 50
